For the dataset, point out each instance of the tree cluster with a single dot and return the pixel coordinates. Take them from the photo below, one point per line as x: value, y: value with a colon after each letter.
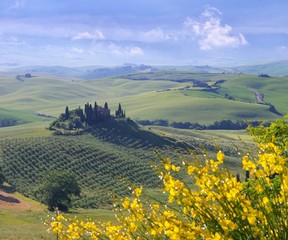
x: 90, y: 116
x: 7, y: 122
x: 264, y: 75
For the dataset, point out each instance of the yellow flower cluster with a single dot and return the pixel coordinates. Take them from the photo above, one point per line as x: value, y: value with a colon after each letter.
x: 212, y: 204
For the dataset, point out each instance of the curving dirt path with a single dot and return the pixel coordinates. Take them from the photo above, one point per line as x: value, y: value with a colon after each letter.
x: 259, y: 96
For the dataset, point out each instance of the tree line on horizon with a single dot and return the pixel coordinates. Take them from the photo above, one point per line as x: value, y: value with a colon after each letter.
x: 217, y: 125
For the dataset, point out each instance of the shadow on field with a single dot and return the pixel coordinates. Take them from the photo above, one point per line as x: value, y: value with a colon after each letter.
x: 7, y: 189
x: 8, y: 199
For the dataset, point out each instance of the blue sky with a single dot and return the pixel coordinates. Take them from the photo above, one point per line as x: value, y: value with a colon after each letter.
x: 157, y: 32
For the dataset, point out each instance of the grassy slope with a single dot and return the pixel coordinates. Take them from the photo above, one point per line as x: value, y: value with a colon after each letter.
x: 234, y: 144
x: 36, y: 129
x: 149, y: 99
x: 141, y: 99
x: 50, y: 94
x: 274, y: 89
x: 20, y: 116
x: 23, y: 225
x: 278, y: 68
x: 26, y: 225
x: 175, y: 106
x: 224, y: 135
x: 113, y: 150
x: 29, y: 225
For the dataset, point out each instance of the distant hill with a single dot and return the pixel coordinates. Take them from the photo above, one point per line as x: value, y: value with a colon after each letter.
x: 279, y: 68
x: 148, y: 93
x: 86, y: 72
x: 115, y: 71
x: 199, y: 69
x: 55, y: 70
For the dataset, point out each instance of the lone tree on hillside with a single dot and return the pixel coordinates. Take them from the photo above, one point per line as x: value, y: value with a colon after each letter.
x: 57, y: 188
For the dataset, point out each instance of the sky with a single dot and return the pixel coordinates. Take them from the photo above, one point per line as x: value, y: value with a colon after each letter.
x: 152, y: 32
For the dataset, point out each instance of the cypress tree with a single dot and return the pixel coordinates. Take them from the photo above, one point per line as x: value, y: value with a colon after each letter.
x: 95, y: 113
x: 119, y: 108
x: 119, y: 113
x: 106, y: 105
x: 67, y: 114
x: 90, y: 114
x: 81, y: 114
x: 86, y: 110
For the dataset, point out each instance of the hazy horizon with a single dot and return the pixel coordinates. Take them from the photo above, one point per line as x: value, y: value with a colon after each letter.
x: 110, y: 33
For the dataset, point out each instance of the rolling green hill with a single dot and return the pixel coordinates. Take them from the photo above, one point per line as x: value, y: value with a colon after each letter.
x: 171, y: 95
x: 175, y: 106
x: 106, y: 159
x: 278, y: 68
x: 182, y: 96
x: 99, y: 166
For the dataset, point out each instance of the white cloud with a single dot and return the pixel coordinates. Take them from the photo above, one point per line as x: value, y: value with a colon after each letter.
x: 128, y: 51
x: 17, y: 5
x: 135, y: 51
x: 154, y: 35
x: 12, y: 41
x: 210, y: 12
x: 77, y: 50
x: 212, y: 33
x: 114, y: 48
x: 97, y: 35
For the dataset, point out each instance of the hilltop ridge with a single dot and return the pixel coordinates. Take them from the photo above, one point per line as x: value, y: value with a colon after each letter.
x: 169, y: 95
x: 276, y: 68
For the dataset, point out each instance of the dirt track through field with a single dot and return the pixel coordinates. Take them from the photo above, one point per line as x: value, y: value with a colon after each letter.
x: 8, y: 200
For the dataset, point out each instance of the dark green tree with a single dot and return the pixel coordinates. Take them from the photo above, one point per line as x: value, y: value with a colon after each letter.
x: 86, y: 109
x: 67, y: 113
x: 95, y: 113
x: 106, y: 105
x: 57, y: 188
x: 120, y: 108
x: 89, y: 113
x: 2, y: 178
x: 80, y: 114
x: 119, y: 112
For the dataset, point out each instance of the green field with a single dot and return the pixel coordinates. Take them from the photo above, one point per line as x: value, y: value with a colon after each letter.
x: 163, y: 94
x: 33, y: 225
x: 109, y: 158
x: 23, y: 225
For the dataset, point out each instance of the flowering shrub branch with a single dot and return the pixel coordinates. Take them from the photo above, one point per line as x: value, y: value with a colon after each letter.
x: 216, y: 206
